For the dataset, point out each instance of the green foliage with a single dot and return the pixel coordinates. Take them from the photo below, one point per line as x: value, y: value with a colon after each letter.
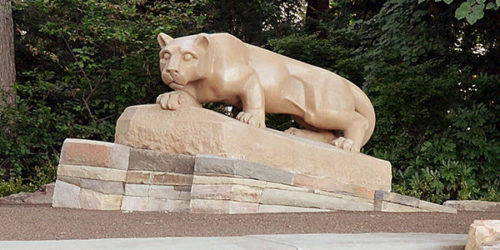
x: 436, y: 119
x: 471, y: 10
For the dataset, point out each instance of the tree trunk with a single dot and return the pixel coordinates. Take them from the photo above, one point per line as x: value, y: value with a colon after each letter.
x: 315, y: 9
x: 7, y: 63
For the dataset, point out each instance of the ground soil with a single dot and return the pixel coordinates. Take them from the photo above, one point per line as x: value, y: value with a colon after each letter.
x: 42, y: 222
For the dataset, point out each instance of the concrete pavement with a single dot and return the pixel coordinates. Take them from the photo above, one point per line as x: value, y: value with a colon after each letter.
x: 383, y: 241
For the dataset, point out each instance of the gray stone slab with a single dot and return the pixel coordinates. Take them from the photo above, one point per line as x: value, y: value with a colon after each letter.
x: 213, y: 164
x: 396, y: 198
x: 474, y: 205
x: 262, y: 172
x: 149, y: 160
x: 383, y: 241
x: 247, y: 169
x: 433, y: 207
x: 106, y: 187
x: 311, y: 200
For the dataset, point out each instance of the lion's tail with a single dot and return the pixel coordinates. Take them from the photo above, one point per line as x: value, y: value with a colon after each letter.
x: 365, y: 108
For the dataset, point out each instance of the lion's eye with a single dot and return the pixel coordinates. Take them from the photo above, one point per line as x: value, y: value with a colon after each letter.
x: 188, y: 56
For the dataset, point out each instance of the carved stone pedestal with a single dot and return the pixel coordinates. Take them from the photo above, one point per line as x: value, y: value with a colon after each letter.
x: 196, y: 160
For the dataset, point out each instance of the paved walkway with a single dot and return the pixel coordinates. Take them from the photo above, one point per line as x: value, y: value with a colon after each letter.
x: 383, y: 241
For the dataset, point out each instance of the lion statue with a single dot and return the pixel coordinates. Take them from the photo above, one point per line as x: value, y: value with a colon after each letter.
x: 221, y: 68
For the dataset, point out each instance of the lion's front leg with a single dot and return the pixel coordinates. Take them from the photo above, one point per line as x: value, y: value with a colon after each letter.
x: 253, y: 102
x: 176, y: 99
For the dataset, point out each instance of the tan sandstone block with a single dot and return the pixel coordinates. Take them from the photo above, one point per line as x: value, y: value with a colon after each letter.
x: 139, y: 177
x: 98, y: 201
x: 482, y: 232
x: 94, y: 153
x: 246, y: 193
x: 66, y: 195
x: 226, y: 192
x: 195, y: 131
x: 96, y: 173
x: 171, y: 179
x: 206, y: 179
x: 222, y: 206
x: 214, y: 192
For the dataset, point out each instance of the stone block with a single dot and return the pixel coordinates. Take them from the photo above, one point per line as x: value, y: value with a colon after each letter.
x: 139, y: 177
x: 317, y: 182
x: 343, y: 196
x: 246, y: 193
x: 156, y: 191
x: 149, y: 160
x: 288, y: 209
x: 106, y: 187
x: 94, y: 153
x: 171, y: 179
x: 311, y: 200
x: 432, y: 207
x: 168, y: 192
x: 271, y: 185
x: 98, y: 201
x: 482, y: 232
x: 201, y: 179
x: 132, y: 203
x: 396, y: 198
x: 474, y: 205
x: 96, y: 173
x: 195, y: 131
x: 246, y: 169
x: 385, y: 206
x: 393, y: 198
x: 66, y: 195
x: 222, y: 207
x: 214, y: 192
x: 141, y: 190
x: 226, y: 192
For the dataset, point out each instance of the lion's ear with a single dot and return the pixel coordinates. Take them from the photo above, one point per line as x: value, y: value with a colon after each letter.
x: 164, y: 39
x: 202, y: 41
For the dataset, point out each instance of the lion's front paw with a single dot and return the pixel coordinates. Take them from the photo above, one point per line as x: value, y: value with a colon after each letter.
x: 251, y: 119
x: 172, y: 100
x: 346, y: 144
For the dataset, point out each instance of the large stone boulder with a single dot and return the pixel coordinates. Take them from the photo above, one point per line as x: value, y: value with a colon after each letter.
x: 194, y: 131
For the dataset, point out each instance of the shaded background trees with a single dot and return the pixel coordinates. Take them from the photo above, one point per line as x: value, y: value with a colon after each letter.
x: 433, y: 78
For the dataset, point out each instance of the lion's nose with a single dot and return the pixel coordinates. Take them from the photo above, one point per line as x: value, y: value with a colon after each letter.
x: 173, y: 71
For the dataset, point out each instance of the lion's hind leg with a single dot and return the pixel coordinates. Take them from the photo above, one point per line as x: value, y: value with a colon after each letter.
x: 311, y: 132
x: 353, y: 124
